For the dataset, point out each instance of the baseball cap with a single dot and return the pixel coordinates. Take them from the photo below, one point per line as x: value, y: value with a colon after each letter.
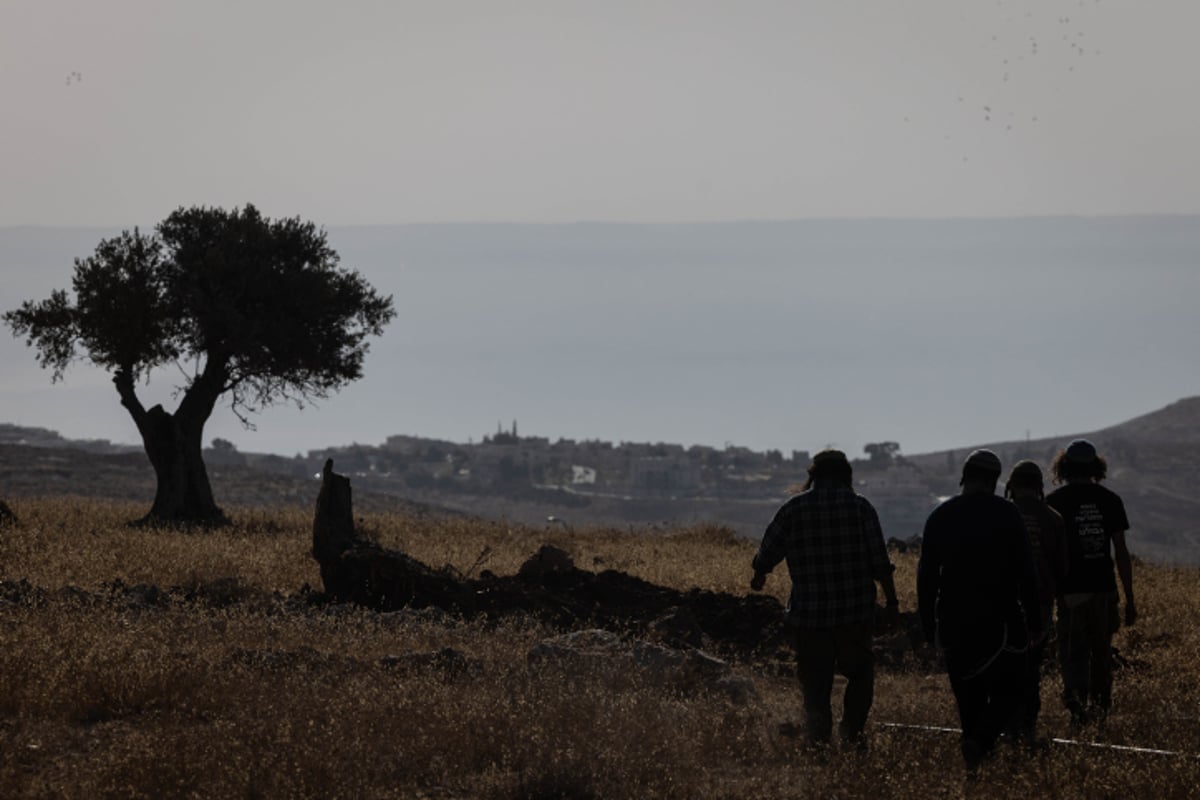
x: 984, y: 460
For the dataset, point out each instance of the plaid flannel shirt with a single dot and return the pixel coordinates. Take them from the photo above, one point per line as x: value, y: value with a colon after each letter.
x: 835, y: 552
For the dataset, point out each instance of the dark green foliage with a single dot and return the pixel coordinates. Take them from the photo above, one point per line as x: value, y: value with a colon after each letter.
x: 262, y: 303
x: 253, y: 308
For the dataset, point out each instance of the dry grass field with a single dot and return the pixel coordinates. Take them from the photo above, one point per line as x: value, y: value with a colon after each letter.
x: 160, y: 663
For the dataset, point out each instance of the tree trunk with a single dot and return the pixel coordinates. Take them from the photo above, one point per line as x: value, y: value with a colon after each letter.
x: 173, y: 443
x: 184, y: 494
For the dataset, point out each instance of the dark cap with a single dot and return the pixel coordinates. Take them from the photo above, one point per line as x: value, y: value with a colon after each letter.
x: 983, y: 460
x: 1026, y: 473
x: 1081, y: 451
x: 828, y: 456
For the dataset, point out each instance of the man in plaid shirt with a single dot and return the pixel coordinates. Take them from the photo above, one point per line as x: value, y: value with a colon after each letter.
x: 835, y: 553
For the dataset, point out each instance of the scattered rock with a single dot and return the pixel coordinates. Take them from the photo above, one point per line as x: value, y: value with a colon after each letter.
x: 430, y: 615
x: 144, y: 595
x: 449, y: 662
x: 740, y: 691
x: 678, y: 627
x: 21, y: 593
x: 591, y: 646
x: 7, y: 517
x: 684, y: 670
x: 546, y: 560
x: 73, y: 594
x: 687, y: 664
x: 272, y: 660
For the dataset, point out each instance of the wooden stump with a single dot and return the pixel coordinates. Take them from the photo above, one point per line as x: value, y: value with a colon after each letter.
x: 355, y: 569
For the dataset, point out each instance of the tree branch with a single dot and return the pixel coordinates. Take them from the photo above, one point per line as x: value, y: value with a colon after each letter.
x: 123, y: 380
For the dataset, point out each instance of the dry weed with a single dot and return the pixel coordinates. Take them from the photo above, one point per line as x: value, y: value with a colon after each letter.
x: 233, y: 684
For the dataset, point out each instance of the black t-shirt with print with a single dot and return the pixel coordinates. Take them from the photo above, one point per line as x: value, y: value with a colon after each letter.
x: 1092, y: 514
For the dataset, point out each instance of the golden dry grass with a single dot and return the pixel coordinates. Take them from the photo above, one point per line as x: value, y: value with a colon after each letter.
x: 249, y: 691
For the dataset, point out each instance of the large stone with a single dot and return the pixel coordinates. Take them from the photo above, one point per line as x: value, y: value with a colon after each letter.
x: 679, y: 628
x: 546, y: 560
x: 688, y: 670
x: 448, y: 662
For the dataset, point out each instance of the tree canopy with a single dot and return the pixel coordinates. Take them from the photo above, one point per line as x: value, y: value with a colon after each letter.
x: 262, y: 304
x: 255, y: 309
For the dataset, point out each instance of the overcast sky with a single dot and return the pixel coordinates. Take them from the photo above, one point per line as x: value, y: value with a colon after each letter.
x: 116, y: 112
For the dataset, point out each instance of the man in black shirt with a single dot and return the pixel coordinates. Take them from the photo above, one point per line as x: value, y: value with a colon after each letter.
x: 1087, y: 611
x: 977, y: 597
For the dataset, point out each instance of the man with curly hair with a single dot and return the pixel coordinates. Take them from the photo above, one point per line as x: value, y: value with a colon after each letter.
x: 1087, y: 612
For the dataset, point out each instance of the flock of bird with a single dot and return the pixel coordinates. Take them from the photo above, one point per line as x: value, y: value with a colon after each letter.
x: 1023, y: 57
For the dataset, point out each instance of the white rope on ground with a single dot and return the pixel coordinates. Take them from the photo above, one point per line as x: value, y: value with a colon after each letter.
x: 1075, y: 742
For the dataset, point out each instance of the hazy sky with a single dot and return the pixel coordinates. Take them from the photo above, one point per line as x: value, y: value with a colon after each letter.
x: 116, y: 112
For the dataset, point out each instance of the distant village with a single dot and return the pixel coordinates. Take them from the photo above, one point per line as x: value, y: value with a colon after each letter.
x: 576, y: 474
x: 568, y: 484
x: 533, y: 479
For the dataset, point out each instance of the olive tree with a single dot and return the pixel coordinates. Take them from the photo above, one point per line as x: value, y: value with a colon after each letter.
x: 254, y: 310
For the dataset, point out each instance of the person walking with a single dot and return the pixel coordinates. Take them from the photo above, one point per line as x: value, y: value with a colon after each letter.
x: 1048, y: 548
x: 835, y: 554
x: 977, y: 598
x: 1088, y: 613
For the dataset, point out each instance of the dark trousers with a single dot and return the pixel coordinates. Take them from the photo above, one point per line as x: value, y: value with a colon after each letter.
x: 819, y: 654
x: 1085, y: 633
x: 988, y: 685
x: 1024, y: 722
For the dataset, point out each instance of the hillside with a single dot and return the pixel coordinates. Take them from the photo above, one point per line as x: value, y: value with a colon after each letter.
x: 65, y: 470
x: 1154, y: 464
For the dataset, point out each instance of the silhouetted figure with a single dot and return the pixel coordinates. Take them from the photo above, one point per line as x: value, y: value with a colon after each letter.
x: 1048, y: 547
x: 977, y: 597
x: 1087, y: 611
x: 835, y: 553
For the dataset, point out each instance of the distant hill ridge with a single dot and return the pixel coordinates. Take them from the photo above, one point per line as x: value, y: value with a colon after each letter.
x: 1175, y: 424
x: 1178, y: 423
x: 1154, y: 464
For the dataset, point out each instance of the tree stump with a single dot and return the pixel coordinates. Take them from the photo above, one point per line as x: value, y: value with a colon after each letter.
x: 7, y: 517
x: 357, y: 570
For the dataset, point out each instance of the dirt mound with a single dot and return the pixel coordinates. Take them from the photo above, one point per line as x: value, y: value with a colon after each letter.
x: 565, y: 598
